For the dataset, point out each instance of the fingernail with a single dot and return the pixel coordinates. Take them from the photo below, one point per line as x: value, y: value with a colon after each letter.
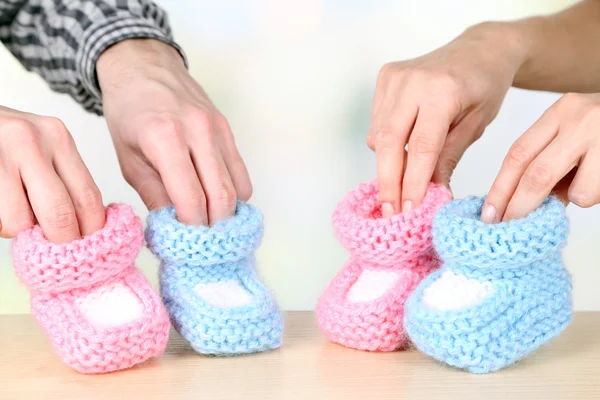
x: 488, y: 214
x: 407, y: 206
x: 387, y: 210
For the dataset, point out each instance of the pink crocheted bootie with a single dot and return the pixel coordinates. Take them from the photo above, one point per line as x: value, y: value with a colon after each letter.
x: 99, y: 312
x: 363, y: 306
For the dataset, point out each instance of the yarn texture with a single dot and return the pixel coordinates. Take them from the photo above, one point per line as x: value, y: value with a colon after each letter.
x: 503, y: 290
x: 210, y: 285
x: 393, y: 253
x: 99, y: 312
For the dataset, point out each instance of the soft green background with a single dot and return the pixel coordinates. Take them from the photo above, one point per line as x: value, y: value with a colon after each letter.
x: 295, y: 79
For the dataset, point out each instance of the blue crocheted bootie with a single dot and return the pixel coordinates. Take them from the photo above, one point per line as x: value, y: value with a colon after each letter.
x: 502, y: 292
x: 209, y: 283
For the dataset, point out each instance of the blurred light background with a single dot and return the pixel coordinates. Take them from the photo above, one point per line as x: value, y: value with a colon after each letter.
x: 295, y: 79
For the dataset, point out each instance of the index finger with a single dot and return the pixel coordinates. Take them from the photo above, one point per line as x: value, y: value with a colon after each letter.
x: 50, y: 201
x: 390, y: 154
x: 173, y: 163
x: 553, y: 163
x: 424, y: 148
x: 516, y: 162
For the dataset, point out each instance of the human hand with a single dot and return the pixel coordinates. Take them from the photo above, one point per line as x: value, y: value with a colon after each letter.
x: 559, y: 154
x: 44, y: 179
x: 173, y: 145
x: 438, y: 105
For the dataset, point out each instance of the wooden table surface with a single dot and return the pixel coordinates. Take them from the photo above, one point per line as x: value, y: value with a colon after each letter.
x: 306, y: 367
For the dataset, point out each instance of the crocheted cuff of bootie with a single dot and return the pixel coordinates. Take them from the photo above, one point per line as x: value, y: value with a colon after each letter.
x: 460, y: 238
x: 47, y: 267
x: 368, y: 236
x: 229, y: 240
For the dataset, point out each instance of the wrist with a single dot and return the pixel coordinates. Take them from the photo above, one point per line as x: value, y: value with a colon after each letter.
x: 117, y: 61
x: 538, y: 32
x: 509, y: 42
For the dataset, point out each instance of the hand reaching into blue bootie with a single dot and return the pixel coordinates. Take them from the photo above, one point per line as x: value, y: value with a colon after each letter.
x: 209, y: 282
x: 502, y: 292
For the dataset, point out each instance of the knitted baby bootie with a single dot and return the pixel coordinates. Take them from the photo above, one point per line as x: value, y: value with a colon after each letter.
x: 210, y: 285
x: 99, y: 312
x: 502, y: 292
x: 363, y: 306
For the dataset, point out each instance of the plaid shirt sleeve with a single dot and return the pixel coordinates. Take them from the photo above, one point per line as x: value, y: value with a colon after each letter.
x: 62, y: 39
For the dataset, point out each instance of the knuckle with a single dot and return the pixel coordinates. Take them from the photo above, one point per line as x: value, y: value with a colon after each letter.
x: 538, y: 175
x: 164, y: 128
x: 89, y: 198
x: 226, y: 196
x: 224, y: 128
x: 370, y: 140
x: 9, y: 230
x: 571, y: 97
x: 450, y: 89
x: 52, y: 125
x: 423, y: 146
x: 19, y: 127
x: 163, y: 132
x: 454, y: 103
x: 569, y: 101
x: 28, y: 141
x: 447, y: 83
x: 385, y: 139
x: 195, y: 200
x: 590, y: 120
x: 584, y: 197
x: 593, y: 114
x: 222, y: 121
x: 27, y: 147
x: 245, y: 191
x: 202, y: 120
x: 477, y: 134
x: 24, y: 133
x: 13, y: 228
x: 517, y: 156
x: 131, y: 169
x: 416, y: 74
x: 26, y: 218
x: 451, y: 106
x: 385, y: 72
x: 128, y: 174
x: 61, y: 216
x: 58, y: 132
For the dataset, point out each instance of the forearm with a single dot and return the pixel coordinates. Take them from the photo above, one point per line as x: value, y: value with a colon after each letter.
x: 561, y: 51
x: 62, y: 41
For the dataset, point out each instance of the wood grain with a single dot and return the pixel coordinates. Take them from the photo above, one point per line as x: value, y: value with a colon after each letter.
x: 306, y: 367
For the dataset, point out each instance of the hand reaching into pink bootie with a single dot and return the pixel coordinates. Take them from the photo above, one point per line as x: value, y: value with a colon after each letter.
x: 99, y: 312
x: 363, y: 306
